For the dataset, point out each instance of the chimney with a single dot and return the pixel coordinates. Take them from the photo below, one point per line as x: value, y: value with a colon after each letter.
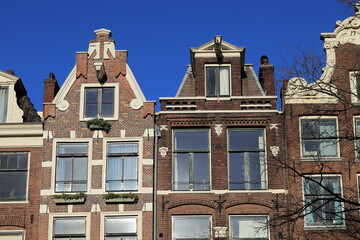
x: 266, y: 76
x: 51, y: 87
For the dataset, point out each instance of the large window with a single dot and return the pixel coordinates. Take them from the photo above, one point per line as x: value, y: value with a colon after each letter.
x: 319, y: 137
x: 247, y: 168
x: 191, y: 227
x: 120, y: 228
x: 217, y: 81
x: 13, y: 176
x: 71, y: 169
x: 191, y: 160
x: 66, y: 228
x: 3, y: 103
x: 322, y: 205
x: 249, y: 227
x: 99, y: 102
x: 122, y: 162
x: 12, y: 235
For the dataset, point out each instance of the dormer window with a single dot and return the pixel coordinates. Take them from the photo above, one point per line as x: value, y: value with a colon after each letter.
x: 217, y: 81
x: 3, y: 103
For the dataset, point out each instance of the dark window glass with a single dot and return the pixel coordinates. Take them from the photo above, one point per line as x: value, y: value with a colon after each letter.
x: 217, y: 81
x: 13, y: 176
x: 99, y: 102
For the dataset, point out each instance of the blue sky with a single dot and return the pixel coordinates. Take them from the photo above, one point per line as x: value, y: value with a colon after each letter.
x: 42, y: 36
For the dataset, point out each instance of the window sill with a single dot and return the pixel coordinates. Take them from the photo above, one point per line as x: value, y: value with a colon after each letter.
x: 14, y: 202
x: 324, y: 227
x: 320, y: 159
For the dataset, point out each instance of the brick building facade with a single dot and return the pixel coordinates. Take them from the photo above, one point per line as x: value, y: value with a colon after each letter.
x: 321, y: 121
x: 20, y: 157
x: 97, y: 182
x: 217, y: 171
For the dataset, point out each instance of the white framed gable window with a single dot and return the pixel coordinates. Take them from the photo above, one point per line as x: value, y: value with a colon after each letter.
x: 322, y: 206
x: 121, y: 228
x: 65, y: 228
x: 217, y: 80
x: 354, y: 77
x: 249, y: 227
x: 99, y: 101
x: 13, y: 176
x: 319, y: 138
x: 71, y: 167
x: 3, y: 103
x: 122, y: 166
x: 247, y: 164
x: 191, y: 164
x: 191, y: 227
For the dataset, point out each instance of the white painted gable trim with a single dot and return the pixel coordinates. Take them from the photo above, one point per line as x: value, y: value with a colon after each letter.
x: 134, y: 84
x: 65, y: 87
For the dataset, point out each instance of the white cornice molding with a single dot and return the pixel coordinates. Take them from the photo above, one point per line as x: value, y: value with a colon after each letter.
x: 134, y: 84
x: 21, y: 130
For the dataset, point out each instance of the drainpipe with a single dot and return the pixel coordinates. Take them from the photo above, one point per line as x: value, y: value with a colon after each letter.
x: 157, y: 135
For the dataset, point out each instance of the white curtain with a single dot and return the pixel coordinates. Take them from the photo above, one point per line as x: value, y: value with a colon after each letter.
x: 3, y: 104
x: 224, y: 81
x: 130, y: 173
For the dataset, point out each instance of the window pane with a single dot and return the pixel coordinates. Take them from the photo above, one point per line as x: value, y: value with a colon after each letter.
x: 72, y: 148
x: 191, y: 140
x: 244, y: 139
x: 248, y: 227
x: 224, y: 81
x: 181, y: 171
x: 3, y: 103
x: 210, y: 81
x: 191, y: 227
x: 201, y: 171
x: 236, y: 169
x: 69, y: 226
x: 123, y: 148
x: 91, y: 102
x: 130, y: 173
x: 13, y: 186
x: 120, y: 225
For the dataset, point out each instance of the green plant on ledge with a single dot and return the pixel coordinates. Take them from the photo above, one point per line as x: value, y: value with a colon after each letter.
x: 70, y: 196
x: 120, y: 195
x: 98, y: 124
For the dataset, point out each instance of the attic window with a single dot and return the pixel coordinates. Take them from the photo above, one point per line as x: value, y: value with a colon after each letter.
x: 217, y: 81
x: 3, y: 103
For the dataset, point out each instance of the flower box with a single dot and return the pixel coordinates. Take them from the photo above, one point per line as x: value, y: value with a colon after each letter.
x: 68, y: 201
x: 120, y: 200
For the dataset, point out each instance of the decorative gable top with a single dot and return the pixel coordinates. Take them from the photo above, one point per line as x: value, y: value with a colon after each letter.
x: 210, y: 47
x: 321, y: 91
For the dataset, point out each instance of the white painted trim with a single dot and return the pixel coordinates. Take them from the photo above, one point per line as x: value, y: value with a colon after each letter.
x: 337, y: 157
x: 44, y: 208
x: 45, y: 192
x: 54, y: 161
x: 148, y: 161
x: 137, y: 214
x: 97, y: 162
x: 87, y: 216
x: 217, y: 111
x: 66, y: 86
x: 46, y: 164
x: 139, y: 141
x: 21, y: 130
x: 20, y: 233
x: 169, y: 192
x: 232, y: 47
x: 98, y: 85
x: 134, y: 84
x: 214, y: 98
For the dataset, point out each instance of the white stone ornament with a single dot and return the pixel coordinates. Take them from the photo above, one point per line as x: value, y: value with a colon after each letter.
x: 163, y: 151
x: 136, y: 104
x: 274, y: 150
x: 218, y: 129
x: 63, y: 105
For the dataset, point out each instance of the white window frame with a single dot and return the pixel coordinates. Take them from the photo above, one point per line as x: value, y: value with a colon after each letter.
x: 92, y: 85
x: 358, y: 185
x: 315, y: 227
x: 174, y: 152
x: 189, y: 216
x: 139, y: 141
x: 356, y: 148
x: 264, y: 174
x: 54, y: 162
x: 6, y: 104
x: 137, y: 214
x: 240, y: 215
x: 319, y: 158
x: 12, y: 233
x: 205, y: 79
x: 87, y: 217
x: 27, y: 179
x: 354, y: 86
